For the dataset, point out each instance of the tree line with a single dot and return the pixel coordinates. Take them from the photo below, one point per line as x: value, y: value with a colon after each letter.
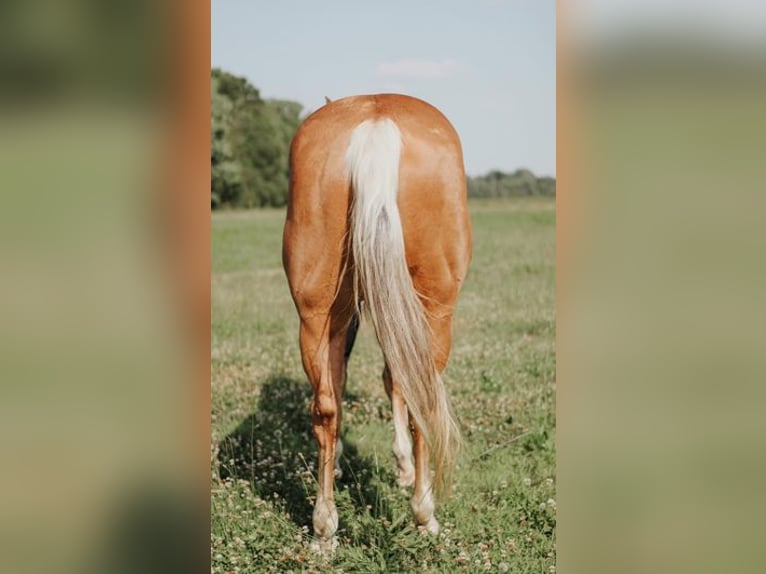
x: 520, y: 183
x: 250, y: 145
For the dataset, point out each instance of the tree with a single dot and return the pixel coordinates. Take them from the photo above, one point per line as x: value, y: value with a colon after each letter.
x: 250, y: 141
x: 226, y: 183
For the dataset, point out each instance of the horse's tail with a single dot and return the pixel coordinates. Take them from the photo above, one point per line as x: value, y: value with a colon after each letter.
x: 382, y: 280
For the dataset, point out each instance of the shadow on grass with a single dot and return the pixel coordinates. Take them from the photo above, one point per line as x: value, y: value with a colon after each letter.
x: 275, y: 451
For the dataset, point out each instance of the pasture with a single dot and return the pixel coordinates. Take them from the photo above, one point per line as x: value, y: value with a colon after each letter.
x: 501, y: 379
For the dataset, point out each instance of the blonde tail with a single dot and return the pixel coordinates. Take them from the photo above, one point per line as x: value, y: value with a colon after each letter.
x: 382, y: 280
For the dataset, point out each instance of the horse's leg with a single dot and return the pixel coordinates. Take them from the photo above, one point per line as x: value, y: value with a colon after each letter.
x: 350, y: 339
x: 324, y: 362
x: 422, y: 502
x: 423, y: 505
x: 402, y: 444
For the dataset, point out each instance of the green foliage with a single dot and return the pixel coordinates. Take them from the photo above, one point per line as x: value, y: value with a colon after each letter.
x: 250, y: 143
x: 520, y: 183
x: 225, y: 172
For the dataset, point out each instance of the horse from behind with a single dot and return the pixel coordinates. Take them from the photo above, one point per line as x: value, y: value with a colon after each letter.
x: 377, y: 222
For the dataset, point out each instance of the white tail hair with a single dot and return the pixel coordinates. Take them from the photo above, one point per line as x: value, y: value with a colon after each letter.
x: 382, y: 280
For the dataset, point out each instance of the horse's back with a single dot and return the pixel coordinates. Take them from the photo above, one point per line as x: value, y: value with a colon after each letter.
x: 323, y: 137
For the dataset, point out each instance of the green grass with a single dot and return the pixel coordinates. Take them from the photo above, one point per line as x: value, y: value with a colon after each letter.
x: 501, y: 378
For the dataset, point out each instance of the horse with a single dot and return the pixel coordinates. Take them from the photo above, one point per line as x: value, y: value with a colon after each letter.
x: 377, y: 225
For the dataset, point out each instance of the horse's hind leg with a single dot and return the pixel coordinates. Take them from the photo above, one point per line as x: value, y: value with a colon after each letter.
x: 324, y: 361
x: 350, y: 339
x: 423, y: 504
x: 402, y: 444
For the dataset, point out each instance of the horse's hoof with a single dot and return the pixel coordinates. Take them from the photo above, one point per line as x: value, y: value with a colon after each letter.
x: 324, y: 547
x: 432, y: 526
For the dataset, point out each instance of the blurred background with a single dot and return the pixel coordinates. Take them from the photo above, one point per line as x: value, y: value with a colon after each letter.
x: 100, y: 379
x: 104, y: 251
x: 660, y: 285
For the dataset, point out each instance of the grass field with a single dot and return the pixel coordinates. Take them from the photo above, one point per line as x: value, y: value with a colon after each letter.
x: 501, y: 378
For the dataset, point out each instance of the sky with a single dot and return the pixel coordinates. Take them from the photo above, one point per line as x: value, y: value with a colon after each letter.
x: 488, y: 65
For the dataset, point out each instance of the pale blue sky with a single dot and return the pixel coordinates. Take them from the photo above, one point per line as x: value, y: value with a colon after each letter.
x: 489, y: 65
